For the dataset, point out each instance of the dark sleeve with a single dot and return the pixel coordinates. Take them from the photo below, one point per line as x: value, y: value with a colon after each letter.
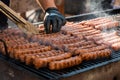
x: 3, y: 18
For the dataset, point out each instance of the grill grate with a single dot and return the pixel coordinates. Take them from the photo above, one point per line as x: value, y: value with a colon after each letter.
x: 55, y: 75
x: 85, y: 66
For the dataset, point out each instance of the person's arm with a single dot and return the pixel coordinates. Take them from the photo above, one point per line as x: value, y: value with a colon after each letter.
x: 53, y: 19
x: 45, y: 4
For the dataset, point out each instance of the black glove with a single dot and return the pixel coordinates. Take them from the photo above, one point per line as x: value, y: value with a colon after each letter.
x: 53, y: 20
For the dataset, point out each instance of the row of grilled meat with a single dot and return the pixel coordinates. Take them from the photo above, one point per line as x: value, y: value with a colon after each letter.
x: 75, y: 43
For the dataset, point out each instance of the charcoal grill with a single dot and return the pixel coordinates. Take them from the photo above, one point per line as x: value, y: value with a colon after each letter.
x: 65, y: 73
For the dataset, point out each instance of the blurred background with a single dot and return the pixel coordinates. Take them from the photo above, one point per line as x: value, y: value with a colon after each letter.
x: 31, y: 11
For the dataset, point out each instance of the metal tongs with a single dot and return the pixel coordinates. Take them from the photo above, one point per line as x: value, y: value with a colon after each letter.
x: 24, y: 25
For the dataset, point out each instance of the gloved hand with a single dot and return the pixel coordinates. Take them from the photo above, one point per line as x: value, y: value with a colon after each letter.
x: 53, y: 20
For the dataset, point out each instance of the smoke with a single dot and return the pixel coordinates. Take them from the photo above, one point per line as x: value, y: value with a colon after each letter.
x: 99, y: 5
x: 96, y: 5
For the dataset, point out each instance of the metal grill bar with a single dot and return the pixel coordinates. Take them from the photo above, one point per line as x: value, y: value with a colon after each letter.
x: 48, y: 74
